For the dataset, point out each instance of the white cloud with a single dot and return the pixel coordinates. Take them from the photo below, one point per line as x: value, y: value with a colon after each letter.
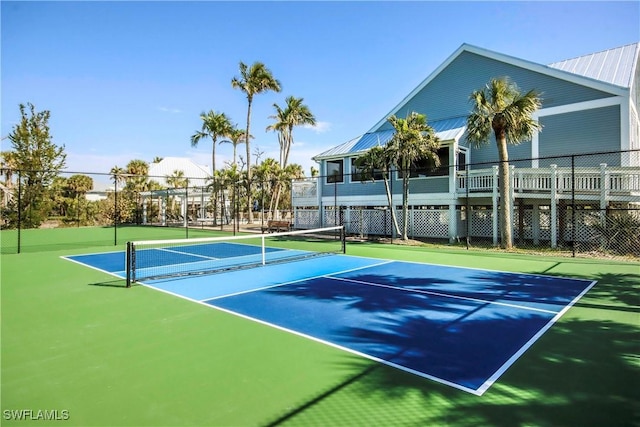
x: 94, y: 163
x: 319, y: 127
x: 169, y: 110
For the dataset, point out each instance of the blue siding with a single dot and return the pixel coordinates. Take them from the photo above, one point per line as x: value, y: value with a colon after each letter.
x: 587, y: 131
x: 484, y: 156
x: 447, y: 95
x: 438, y: 184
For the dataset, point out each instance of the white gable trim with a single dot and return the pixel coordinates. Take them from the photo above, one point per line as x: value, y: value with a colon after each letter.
x: 542, y: 69
x: 582, y: 106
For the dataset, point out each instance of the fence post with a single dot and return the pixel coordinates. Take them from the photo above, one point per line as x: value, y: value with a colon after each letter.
x: 573, y: 205
x: 554, y: 207
x: 467, y: 206
x: 186, y: 210
x: 495, y: 205
x: 512, y: 185
x: 115, y: 210
x: 604, y: 193
x: 19, y: 209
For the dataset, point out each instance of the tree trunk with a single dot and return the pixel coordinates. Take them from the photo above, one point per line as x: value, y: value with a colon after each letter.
x: 213, y: 157
x: 394, y: 219
x: 277, y: 201
x: 405, y: 203
x: 506, y: 238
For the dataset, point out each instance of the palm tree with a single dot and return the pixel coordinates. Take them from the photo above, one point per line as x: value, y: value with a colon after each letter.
x: 280, y: 126
x: 79, y: 185
x: 176, y: 180
x: 379, y: 160
x: 292, y: 172
x: 294, y: 114
x: 235, y: 137
x: 268, y: 173
x: 501, y: 108
x: 413, y: 140
x: 137, y: 171
x: 156, y: 159
x: 214, y: 125
x: 118, y: 175
x: 253, y: 80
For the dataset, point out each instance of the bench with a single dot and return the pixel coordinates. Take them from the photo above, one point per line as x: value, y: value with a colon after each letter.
x: 273, y: 225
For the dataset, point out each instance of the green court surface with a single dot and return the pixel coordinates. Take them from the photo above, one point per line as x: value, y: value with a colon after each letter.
x: 78, y: 346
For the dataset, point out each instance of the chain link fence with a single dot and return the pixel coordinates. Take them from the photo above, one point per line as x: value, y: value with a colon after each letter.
x: 587, y: 205
x: 108, y: 204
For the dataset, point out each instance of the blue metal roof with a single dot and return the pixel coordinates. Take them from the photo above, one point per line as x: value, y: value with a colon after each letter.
x: 446, y: 130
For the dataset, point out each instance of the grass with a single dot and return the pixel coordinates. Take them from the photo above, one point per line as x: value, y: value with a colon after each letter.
x: 74, y: 339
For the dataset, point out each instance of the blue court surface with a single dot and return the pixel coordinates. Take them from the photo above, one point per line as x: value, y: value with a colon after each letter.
x: 458, y: 326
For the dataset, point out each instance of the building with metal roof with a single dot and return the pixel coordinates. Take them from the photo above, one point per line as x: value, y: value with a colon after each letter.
x: 197, y: 174
x: 589, y: 107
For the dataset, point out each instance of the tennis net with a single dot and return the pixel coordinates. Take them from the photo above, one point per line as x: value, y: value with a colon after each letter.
x: 160, y: 259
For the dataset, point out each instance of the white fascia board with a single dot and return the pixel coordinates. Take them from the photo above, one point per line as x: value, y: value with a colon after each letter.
x: 342, y: 156
x: 550, y: 71
x: 579, y: 106
x: 543, y: 69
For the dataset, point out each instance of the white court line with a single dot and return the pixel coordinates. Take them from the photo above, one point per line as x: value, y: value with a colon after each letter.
x: 185, y: 253
x: 517, y: 273
x: 112, y: 273
x: 294, y: 281
x: 493, y: 378
x: 478, y: 392
x: 419, y: 291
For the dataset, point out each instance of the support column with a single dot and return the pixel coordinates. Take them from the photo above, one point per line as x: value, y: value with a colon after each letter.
x: 535, y: 224
x: 144, y: 210
x: 184, y: 210
x: 453, y: 223
x: 163, y: 208
x: 604, y: 193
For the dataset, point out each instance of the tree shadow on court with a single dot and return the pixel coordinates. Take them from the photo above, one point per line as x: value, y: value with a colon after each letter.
x: 583, y: 371
x: 366, y: 299
x: 619, y: 292
x: 377, y: 292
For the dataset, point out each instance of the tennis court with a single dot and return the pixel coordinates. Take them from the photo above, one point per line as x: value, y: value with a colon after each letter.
x: 74, y: 339
x: 462, y: 327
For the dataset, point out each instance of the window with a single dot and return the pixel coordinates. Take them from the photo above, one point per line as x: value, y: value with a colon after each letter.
x: 334, y: 171
x: 462, y: 160
x: 425, y: 167
x: 357, y: 173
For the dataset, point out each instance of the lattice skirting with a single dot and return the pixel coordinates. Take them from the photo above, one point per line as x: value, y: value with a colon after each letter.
x: 535, y: 225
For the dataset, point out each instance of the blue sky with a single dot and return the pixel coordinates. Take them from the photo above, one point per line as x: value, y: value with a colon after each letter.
x: 128, y: 80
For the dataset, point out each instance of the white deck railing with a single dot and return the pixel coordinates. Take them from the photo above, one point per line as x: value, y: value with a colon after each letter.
x: 591, y: 180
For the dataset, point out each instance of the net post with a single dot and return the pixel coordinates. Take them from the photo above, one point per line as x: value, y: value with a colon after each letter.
x: 264, y: 250
x: 130, y: 264
x: 343, y: 240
